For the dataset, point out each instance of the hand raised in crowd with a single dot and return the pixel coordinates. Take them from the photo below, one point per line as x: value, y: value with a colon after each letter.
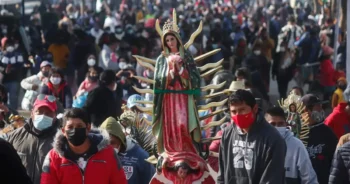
x: 119, y: 74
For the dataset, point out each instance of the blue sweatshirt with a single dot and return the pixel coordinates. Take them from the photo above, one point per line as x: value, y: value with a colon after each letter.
x: 137, y: 170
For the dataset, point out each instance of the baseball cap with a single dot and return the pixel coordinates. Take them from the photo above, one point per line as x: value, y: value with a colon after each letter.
x: 45, y: 63
x: 310, y: 100
x: 48, y: 101
x: 132, y: 101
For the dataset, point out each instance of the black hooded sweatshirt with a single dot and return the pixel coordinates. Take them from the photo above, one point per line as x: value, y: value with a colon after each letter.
x: 255, y: 157
x: 321, y: 146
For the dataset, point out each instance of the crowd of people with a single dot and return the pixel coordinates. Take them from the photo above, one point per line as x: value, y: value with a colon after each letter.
x: 76, y: 68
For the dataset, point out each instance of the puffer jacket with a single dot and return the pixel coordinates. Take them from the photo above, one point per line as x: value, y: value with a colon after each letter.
x: 102, y: 167
x: 32, y: 147
x: 254, y: 157
x: 297, y: 162
x: 340, y: 170
x: 30, y: 95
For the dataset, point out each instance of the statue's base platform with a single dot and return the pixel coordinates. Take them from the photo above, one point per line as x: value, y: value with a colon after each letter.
x: 161, y: 179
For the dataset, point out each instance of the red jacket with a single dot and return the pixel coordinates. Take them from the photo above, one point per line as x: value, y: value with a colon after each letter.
x: 327, y: 73
x: 101, y: 168
x: 338, y: 120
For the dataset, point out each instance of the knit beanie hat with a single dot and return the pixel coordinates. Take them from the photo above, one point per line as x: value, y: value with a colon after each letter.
x: 114, y: 128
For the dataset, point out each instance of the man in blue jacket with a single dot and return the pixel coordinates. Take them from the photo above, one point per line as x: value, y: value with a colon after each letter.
x: 132, y: 156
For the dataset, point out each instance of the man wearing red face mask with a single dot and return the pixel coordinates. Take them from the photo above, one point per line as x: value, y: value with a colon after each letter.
x: 251, y: 150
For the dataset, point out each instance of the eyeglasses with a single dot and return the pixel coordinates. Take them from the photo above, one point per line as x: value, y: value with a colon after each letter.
x: 50, y: 98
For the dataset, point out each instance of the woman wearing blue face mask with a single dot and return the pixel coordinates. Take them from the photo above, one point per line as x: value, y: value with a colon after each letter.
x: 58, y: 87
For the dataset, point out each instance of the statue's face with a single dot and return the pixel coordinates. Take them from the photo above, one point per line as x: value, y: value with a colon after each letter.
x: 171, y: 42
x: 182, y: 172
x: 293, y: 108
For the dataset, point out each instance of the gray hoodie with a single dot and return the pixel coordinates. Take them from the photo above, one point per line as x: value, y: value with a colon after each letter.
x: 297, y: 163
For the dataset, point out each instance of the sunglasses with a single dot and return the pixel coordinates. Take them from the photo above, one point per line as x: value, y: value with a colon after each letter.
x: 49, y: 98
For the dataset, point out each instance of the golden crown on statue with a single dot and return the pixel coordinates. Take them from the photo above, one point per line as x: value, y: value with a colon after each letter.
x: 170, y: 26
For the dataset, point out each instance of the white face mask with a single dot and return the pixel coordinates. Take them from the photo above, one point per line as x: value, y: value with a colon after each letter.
x: 144, y: 85
x: 55, y: 80
x: 122, y: 65
x: 145, y: 34
x: 10, y: 49
x: 116, y: 149
x: 257, y: 52
x: 250, y: 23
x: 91, y: 62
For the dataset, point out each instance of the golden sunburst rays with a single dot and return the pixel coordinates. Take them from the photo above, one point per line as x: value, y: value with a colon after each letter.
x: 294, y: 99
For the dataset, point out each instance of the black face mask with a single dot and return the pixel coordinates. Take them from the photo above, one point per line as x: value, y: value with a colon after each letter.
x: 76, y: 136
x: 343, y: 87
x: 93, y: 78
x: 45, y: 74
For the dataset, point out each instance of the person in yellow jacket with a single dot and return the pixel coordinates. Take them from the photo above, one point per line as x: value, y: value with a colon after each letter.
x: 338, y: 93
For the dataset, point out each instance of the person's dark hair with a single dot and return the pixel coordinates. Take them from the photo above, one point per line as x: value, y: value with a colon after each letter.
x: 276, y: 111
x: 76, y: 113
x: 247, y: 83
x: 112, y: 39
x: 243, y: 72
x: 57, y: 71
x: 107, y: 77
x: 291, y: 19
x: 96, y: 68
x: 298, y: 88
x: 242, y: 96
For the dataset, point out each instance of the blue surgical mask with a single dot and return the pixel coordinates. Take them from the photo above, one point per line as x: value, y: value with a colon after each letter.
x: 282, y: 130
x: 42, y: 122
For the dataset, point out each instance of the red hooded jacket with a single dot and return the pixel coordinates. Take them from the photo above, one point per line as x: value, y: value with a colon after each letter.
x: 327, y: 73
x: 103, y: 167
x: 339, y: 120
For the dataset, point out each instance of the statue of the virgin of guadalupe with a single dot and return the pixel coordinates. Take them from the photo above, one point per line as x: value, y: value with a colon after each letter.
x: 175, y: 123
